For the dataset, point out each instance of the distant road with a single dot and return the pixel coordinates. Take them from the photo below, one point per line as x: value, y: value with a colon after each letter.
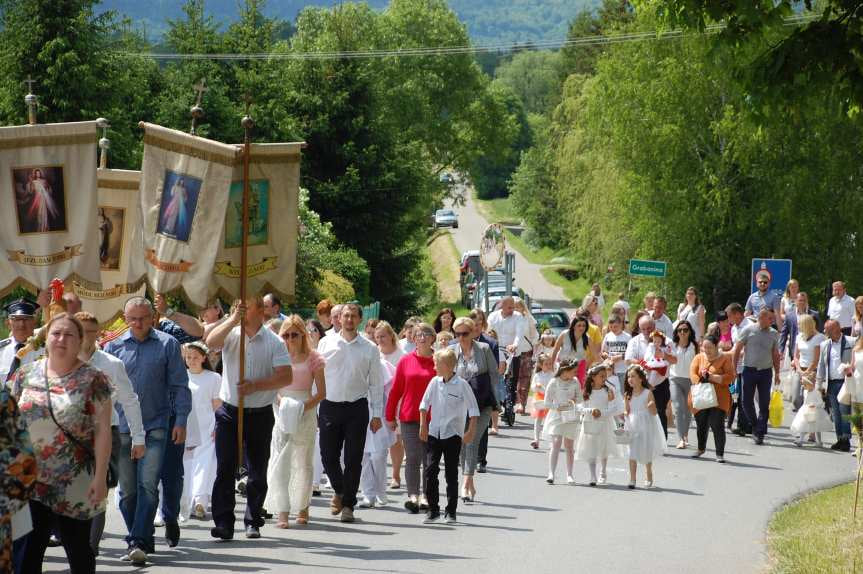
x: 527, y: 274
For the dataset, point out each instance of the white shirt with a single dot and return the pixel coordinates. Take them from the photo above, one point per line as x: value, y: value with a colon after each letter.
x: 665, y: 325
x: 835, y: 360
x: 735, y: 337
x: 807, y: 348
x: 842, y: 311
x: 617, y: 345
x: 449, y: 404
x: 353, y: 371
x: 684, y: 356
x: 7, y: 355
x: 264, y: 352
x: 636, y: 348
x: 394, y: 357
x: 121, y: 392
x: 510, y: 330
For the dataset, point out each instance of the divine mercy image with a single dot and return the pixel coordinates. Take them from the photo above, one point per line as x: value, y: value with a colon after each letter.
x: 39, y: 199
x: 178, y: 202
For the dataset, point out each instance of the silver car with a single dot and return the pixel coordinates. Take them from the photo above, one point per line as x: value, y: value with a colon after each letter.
x: 445, y: 218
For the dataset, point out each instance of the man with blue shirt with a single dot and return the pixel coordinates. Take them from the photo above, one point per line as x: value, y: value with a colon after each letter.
x: 155, y: 366
x: 765, y: 298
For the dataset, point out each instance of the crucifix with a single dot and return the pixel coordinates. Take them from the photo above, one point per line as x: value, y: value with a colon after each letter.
x: 197, y: 111
x: 104, y: 142
x: 31, y: 101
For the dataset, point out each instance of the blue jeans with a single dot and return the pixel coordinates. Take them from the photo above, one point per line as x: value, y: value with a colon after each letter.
x: 837, y: 410
x: 172, y: 479
x: 760, y: 379
x: 139, y: 487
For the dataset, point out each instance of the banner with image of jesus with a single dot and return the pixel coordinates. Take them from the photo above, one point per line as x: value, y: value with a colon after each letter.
x: 48, y: 193
x: 185, y: 181
x: 274, y: 183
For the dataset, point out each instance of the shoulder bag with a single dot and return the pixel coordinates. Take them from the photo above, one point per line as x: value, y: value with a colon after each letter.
x: 111, y: 478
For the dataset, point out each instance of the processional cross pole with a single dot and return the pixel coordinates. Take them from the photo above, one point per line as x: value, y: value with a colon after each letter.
x: 248, y: 123
x: 197, y: 111
x: 31, y: 101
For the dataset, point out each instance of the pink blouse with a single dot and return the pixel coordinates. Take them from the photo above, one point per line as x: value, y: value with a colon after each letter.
x: 304, y: 373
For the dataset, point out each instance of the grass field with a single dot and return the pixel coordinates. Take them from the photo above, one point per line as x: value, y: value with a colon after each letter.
x: 573, y: 289
x: 500, y: 210
x: 815, y: 535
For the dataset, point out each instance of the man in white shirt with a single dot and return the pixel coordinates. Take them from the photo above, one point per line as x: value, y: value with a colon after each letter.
x: 123, y: 393
x: 841, y: 308
x: 355, y: 387
x: 660, y: 319
x: 511, y: 327
x: 267, y: 369
x: 637, y: 345
x: 446, y: 403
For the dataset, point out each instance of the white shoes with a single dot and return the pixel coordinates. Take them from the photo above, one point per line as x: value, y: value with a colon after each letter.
x: 648, y: 484
x: 367, y: 502
x: 382, y: 500
x: 603, y: 480
x: 158, y: 522
x: 569, y: 480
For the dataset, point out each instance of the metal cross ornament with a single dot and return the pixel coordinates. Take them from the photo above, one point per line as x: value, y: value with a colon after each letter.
x: 197, y: 111
x: 31, y: 101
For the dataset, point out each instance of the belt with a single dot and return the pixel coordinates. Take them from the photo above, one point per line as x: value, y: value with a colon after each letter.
x: 251, y: 410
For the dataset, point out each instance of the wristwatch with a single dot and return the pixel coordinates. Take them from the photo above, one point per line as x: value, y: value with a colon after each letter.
x: 169, y: 313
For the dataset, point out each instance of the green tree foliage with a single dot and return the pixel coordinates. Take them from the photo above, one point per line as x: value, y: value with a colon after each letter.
x: 605, y: 20
x: 535, y: 77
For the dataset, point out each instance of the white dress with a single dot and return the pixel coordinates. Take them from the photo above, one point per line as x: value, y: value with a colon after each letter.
x: 601, y: 444
x: 812, y: 403
x: 648, y: 439
x: 380, y: 442
x: 560, y: 393
x: 205, y: 387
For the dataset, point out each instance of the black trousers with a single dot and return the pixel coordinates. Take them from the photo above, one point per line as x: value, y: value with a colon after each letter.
x: 662, y: 394
x: 74, y: 534
x: 712, y: 419
x: 257, y: 432
x: 483, y: 447
x: 343, y: 426
x: 450, y: 449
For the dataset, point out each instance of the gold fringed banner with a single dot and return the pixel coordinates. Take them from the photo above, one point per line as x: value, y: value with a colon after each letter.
x: 274, y: 177
x: 48, y: 194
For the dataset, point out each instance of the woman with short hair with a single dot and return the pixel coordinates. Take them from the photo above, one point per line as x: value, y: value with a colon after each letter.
x: 475, y: 364
x: 712, y: 367
x: 66, y: 406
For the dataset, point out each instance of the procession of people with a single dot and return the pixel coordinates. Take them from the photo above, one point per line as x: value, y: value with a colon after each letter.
x: 156, y: 410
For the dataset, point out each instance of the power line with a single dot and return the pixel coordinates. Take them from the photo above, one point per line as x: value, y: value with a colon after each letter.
x: 597, y: 40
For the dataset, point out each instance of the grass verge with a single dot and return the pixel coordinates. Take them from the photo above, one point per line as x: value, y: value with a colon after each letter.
x: 500, y: 210
x: 541, y: 256
x: 816, y: 535
x: 574, y: 289
x: 444, y: 259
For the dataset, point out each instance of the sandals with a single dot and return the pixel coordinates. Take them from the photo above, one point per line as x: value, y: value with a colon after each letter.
x: 534, y: 444
x: 283, y: 521
x: 303, y: 516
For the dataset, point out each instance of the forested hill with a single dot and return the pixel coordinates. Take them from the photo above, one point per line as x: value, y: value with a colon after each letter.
x: 488, y: 21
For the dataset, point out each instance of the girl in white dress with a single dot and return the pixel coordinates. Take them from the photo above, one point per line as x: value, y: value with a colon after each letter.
x: 562, y: 398
x: 811, y: 417
x: 596, y: 440
x: 648, y: 439
x: 200, y: 462
x: 541, y: 378
x: 373, y: 479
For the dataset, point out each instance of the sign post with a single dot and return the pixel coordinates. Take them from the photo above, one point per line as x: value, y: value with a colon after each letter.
x: 779, y: 271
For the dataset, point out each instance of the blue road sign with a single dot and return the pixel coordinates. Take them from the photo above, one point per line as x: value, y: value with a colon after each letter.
x: 779, y: 271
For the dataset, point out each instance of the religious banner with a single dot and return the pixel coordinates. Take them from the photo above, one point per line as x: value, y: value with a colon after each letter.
x: 48, y: 190
x: 274, y: 183
x: 118, y: 230
x: 183, y: 198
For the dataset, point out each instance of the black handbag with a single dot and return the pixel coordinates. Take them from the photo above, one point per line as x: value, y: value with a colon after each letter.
x: 111, y: 478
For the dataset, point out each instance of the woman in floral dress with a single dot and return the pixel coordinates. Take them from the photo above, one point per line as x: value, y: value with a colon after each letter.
x: 66, y: 406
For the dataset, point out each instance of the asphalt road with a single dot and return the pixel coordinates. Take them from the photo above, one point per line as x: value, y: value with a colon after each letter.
x: 702, y: 517
x: 527, y: 274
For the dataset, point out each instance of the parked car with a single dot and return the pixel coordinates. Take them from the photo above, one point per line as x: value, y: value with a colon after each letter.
x: 447, y: 178
x: 445, y: 218
x: 556, y: 319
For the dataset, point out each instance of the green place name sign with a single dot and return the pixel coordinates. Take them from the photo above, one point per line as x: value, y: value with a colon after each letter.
x: 644, y: 268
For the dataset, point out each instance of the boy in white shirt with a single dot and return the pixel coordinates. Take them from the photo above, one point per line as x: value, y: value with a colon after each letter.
x: 448, y: 401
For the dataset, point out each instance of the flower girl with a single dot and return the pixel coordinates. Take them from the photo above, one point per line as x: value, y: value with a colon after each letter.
x: 648, y: 440
x: 811, y: 417
x: 541, y: 378
x: 562, y: 397
x: 596, y: 441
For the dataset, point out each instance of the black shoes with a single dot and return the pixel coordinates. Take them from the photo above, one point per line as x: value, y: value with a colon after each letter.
x: 432, y: 517
x: 412, y: 506
x: 172, y: 533
x: 253, y: 532
x: 221, y: 533
x: 759, y: 440
x: 842, y: 445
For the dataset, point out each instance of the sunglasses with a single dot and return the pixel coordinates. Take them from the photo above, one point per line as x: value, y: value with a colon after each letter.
x: 291, y: 335
x: 423, y: 335
x: 683, y: 330
x: 462, y: 333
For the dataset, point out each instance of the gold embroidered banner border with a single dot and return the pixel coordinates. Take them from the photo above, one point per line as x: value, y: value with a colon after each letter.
x: 43, y: 141
x: 184, y: 149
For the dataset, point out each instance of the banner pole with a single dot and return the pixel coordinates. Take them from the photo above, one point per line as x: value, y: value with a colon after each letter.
x: 247, y: 123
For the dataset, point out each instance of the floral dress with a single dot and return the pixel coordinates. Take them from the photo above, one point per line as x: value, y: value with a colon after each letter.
x: 17, y: 469
x: 65, y: 470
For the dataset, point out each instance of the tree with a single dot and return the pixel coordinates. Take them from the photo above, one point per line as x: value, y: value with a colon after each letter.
x: 605, y: 20
x: 535, y: 77
x: 70, y: 53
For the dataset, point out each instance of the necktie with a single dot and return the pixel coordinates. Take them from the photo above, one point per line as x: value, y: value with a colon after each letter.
x: 16, y: 362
